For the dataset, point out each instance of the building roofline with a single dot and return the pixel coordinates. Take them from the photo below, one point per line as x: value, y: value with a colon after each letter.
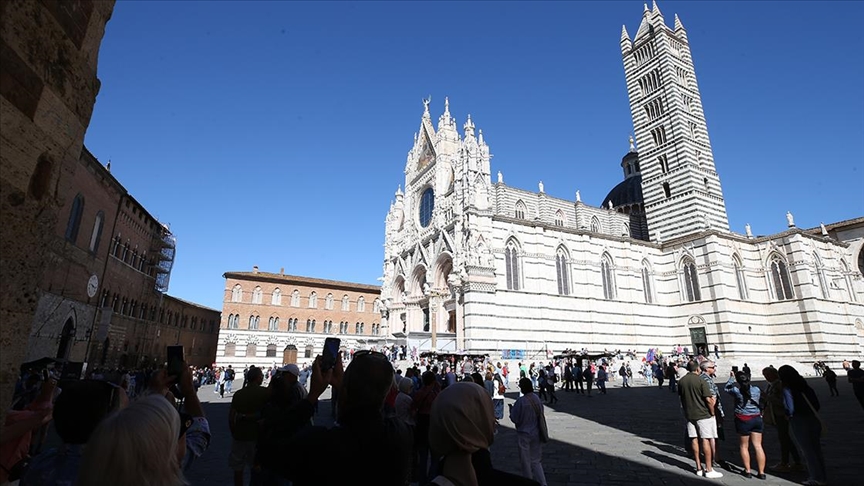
x: 193, y: 304
x: 282, y: 278
x: 837, y: 225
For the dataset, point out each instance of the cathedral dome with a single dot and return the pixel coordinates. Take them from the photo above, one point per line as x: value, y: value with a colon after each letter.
x: 627, y: 192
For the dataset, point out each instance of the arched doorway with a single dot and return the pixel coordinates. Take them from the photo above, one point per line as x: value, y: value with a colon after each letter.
x: 289, y: 355
x: 66, y: 338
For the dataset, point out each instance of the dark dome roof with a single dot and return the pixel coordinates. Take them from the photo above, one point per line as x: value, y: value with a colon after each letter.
x: 629, y: 191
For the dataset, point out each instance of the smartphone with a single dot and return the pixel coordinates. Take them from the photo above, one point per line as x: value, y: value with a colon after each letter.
x: 734, y: 369
x: 331, y: 352
x: 175, y: 360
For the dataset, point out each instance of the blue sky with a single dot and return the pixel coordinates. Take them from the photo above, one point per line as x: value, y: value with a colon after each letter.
x: 275, y: 133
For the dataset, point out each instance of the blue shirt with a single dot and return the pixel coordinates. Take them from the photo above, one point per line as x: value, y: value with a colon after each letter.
x: 55, y: 467
x: 197, y: 440
x: 742, y: 407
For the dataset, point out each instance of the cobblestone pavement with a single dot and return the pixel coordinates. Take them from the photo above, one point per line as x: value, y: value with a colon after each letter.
x: 629, y: 436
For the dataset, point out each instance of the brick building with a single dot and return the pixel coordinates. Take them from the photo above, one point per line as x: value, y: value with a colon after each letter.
x: 273, y: 318
x: 48, y: 86
x: 102, y: 300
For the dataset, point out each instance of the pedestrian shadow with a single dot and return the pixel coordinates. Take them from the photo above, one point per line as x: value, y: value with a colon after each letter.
x: 691, y: 468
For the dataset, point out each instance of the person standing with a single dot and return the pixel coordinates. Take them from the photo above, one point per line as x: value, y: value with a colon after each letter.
x: 709, y: 371
x: 802, y: 408
x: 748, y: 421
x: 243, y: 421
x: 716, y: 352
x: 602, y: 377
x: 623, y: 372
x: 774, y: 414
x: 855, y: 375
x: 831, y: 379
x: 698, y: 403
x: 526, y: 414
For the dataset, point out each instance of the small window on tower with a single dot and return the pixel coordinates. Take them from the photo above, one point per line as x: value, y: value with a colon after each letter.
x: 667, y: 190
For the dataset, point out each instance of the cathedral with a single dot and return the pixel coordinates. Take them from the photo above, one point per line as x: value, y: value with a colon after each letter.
x: 473, y: 264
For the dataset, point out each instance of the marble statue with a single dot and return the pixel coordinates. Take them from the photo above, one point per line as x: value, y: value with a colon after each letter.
x: 540, y: 186
x: 790, y: 220
x: 824, y: 229
x: 748, y: 231
x: 578, y: 196
x: 610, y: 204
x: 500, y: 177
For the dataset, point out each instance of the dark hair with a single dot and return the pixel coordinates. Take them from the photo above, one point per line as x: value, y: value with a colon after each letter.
x: 743, y: 385
x: 791, y: 379
x: 526, y: 386
x: 366, y: 383
x: 692, y: 366
x: 428, y: 378
x: 81, y: 406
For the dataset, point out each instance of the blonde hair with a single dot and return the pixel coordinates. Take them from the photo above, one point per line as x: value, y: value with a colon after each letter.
x: 137, y: 445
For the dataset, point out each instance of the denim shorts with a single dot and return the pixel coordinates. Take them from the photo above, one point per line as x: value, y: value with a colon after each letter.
x: 747, y: 427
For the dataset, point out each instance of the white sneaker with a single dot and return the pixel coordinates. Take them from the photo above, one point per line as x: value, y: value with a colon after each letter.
x: 700, y: 473
x: 713, y: 474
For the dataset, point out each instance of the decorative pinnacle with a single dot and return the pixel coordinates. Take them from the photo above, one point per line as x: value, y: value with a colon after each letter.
x: 480, y: 136
x: 399, y: 191
x: 632, y: 146
x: 678, y: 24
x: 446, y: 106
x: 624, y: 34
x: 645, y: 10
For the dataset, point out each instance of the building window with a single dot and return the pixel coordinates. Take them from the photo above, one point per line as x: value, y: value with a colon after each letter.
x: 308, y: 325
x: 595, y: 225
x: 251, y: 350
x: 276, y: 298
x: 608, y: 277
x: 346, y: 304
x: 75, y: 218
x: 739, y: 278
x: 376, y: 306
x: 97, y: 232
x: 271, y: 350
x: 362, y: 328
x: 361, y: 304
x: 667, y: 191
x: 647, y: 288
x: 427, y: 204
x: 511, y: 262
x: 295, y: 298
x: 313, y: 300
x: 256, y: 295
x: 253, y: 322
x: 229, y: 349
x: 520, y: 210
x: 233, y: 321
x: 820, y: 273
x: 309, y: 350
x: 237, y: 294
x: 780, y: 278
x: 328, y: 302
x: 692, y: 291
x: 563, y: 271
x: 847, y: 275
x: 664, y: 163
x: 559, y: 218
x: 292, y: 325
x: 273, y: 325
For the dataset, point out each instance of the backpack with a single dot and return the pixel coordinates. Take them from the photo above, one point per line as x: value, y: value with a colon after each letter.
x: 501, y: 388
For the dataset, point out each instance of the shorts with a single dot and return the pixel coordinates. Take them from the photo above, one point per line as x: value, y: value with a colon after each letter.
x: 704, y: 429
x: 747, y: 427
x: 242, y: 454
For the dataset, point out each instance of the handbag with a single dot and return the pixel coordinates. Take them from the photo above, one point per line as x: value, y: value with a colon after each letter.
x: 541, y: 422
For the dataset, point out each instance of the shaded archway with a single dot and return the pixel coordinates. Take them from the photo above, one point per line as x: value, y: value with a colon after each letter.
x: 66, y: 338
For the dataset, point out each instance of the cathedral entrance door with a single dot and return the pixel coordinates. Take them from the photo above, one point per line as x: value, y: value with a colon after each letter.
x: 699, y: 341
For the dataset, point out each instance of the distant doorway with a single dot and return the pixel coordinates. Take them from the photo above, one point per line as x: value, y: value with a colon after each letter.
x: 451, y: 321
x: 66, y: 337
x: 289, y: 355
x: 699, y: 341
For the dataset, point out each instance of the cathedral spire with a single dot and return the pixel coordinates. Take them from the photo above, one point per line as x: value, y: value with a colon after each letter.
x: 469, y: 128
x: 655, y: 8
x: 678, y: 24
x: 624, y: 35
x: 446, y: 121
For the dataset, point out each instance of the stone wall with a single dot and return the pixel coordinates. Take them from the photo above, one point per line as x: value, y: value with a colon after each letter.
x: 48, y: 86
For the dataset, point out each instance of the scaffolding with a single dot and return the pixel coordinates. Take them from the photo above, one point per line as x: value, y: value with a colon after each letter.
x: 166, y: 247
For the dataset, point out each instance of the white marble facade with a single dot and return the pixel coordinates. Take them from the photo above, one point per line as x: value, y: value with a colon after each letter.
x: 481, y: 266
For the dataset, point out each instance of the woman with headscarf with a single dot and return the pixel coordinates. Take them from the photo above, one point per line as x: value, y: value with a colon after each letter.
x: 802, y: 407
x: 460, y: 432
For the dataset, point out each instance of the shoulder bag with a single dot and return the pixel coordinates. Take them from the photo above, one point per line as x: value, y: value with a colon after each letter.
x: 541, y: 421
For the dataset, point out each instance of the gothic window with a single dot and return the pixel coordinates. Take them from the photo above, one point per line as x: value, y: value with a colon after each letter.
x: 97, y: 232
x: 694, y: 132
x: 253, y: 322
x: 361, y: 304
x: 647, y: 287
x: 562, y: 268
x: 328, y: 302
x: 237, y: 293
x: 511, y: 263
x: 292, y: 325
x: 295, y: 298
x: 313, y: 300
x: 595, y: 225
x: 271, y: 350
x: 559, y: 218
x: 820, y: 273
x: 308, y: 325
x: 357, y: 328
x: 229, y: 349
x: 313, y: 325
x: 664, y: 163
x: 520, y: 210
x: 276, y: 298
x: 343, y: 327
x: 376, y: 306
x: 780, y: 278
x: 273, y: 325
x: 659, y: 136
x: 75, y: 218
x: 740, y: 281
x: 692, y: 291
x: 256, y: 295
x: 667, y: 191
x: 608, y: 277
x: 346, y: 305
x: 362, y: 328
x: 251, y: 350
x: 427, y: 204
x: 847, y: 275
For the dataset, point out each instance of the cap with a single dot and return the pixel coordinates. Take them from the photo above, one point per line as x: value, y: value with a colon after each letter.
x: 186, y: 421
x: 291, y: 368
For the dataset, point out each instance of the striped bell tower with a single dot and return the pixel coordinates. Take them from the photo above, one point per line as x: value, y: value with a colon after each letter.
x: 680, y: 185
